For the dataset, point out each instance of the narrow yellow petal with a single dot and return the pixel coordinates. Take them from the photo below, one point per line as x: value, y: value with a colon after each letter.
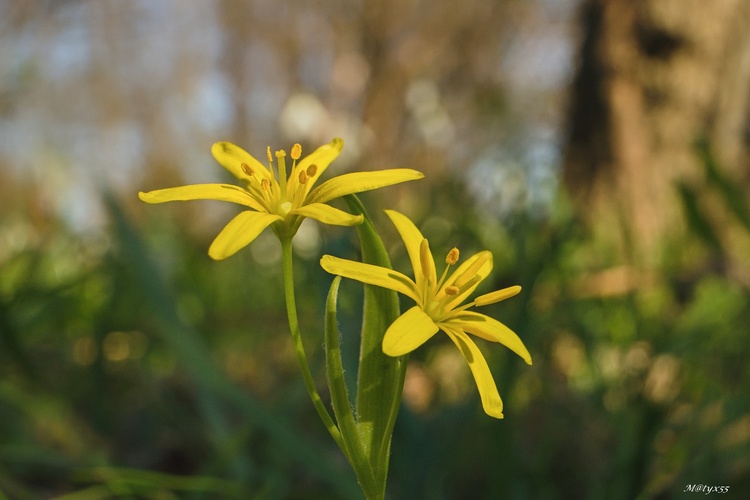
x: 464, y: 276
x: 412, y: 241
x: 490, y: 329
x: 409, y: 331
x: 357, y: 182
x: 497, y: 295
x: 240, y: 232
x: 370, y: 274
x: 232, y: 157
x: 427, y: 262
x: 328, y: 215
x: 491, y: 402
x: 221, y: 192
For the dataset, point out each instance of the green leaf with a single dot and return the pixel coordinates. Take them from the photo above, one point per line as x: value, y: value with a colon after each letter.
x: 339, y: 396
x: 380, y: 379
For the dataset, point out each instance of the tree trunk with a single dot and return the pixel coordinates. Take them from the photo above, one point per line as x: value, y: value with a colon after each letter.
x: 655, y: 76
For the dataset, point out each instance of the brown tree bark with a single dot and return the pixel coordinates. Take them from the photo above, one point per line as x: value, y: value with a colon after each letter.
x: 655, y: 76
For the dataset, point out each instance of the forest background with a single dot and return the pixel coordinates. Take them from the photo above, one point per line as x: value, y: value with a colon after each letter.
x: 599, y: 149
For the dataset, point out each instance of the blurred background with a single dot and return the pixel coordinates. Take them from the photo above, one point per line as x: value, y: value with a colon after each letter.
x: 599, y: 149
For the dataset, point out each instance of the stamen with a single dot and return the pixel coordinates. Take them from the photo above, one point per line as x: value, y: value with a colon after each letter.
x: 296, y: 152
x: 299, y: 191
x: 453, y: 292
x: 265, y: 189
x: 281, y: 157
x: 312, y: 170
x: 270, y: 162
x: 497, y: 295
x: 452, y: 257
x: 246, y: 168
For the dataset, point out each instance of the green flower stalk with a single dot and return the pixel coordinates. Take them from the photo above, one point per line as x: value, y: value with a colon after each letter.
x: 280, y: 198
x: 282, y: 201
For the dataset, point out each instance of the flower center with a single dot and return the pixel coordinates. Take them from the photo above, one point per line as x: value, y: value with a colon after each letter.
x: 281, y: 197
x: 441, y: 300
x: 285, y: 208
x: 435, y: 304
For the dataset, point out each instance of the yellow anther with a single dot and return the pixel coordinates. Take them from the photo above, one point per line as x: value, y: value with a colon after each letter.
x: 296, y: 152
x: 312, y: 170
x: 451, y: 290
x: 268, y: 153
x: 265, y: 184
x: 452, y: 257
x: 303, y: 177
x: 246, y: 168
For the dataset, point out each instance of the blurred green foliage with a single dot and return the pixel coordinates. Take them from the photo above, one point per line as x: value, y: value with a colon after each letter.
x: 133, y: 366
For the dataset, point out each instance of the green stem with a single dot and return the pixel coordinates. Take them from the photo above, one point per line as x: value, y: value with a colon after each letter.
x: 385, y: 446
x: 299, y: 349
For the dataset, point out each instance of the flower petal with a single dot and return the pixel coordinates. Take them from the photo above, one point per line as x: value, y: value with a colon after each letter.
x: 409, y: 331
x: 221, y: 192
x: 497, y: 295
x: 412, y: 241
x: 490, y: 329
x: 427, y: 262
x: 328, y: 215
x: 240, y: 231
x: 321, y: 158
x: 357, y: 182
x: 232, y: 157
x: 491, y: 402
x: 370, y: 274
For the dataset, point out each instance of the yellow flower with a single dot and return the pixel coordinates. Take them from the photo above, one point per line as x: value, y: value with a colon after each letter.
x: 281, y: 202
x: 439, y: 305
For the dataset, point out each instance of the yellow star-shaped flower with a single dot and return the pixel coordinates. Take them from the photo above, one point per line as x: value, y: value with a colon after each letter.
x: 281, y: 203
x: 439, y: 305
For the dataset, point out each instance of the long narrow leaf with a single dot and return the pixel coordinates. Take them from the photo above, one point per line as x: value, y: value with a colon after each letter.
x: 342, y: 407
x: 380, y: 377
